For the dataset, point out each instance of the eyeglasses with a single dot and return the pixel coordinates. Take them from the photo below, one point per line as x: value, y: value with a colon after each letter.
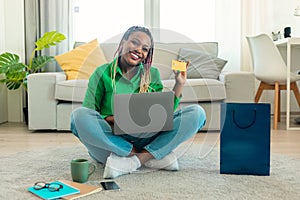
x: 52, y: 187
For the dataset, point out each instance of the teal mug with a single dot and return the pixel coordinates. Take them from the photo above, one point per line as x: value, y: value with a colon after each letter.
x: 80, y: 170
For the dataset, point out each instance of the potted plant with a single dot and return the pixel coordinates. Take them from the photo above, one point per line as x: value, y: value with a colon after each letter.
x: 16, y: 72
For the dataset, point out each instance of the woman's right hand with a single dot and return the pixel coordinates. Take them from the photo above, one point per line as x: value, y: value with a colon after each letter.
x: 110, y: 119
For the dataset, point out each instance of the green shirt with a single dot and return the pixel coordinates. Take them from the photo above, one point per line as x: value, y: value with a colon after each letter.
x: 99, y: 94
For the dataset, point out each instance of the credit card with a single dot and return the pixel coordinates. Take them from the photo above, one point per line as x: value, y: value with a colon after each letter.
x: 179, y: 65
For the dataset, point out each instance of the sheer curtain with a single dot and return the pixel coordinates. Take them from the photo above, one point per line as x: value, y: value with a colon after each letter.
x: 236, y: 19
x: 42, y: 16
x: 257, y: 17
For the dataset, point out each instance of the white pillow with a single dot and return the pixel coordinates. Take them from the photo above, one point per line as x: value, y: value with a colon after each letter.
x: 202, y: 65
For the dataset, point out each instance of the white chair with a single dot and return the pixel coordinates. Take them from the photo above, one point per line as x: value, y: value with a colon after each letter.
x: 271, y: 70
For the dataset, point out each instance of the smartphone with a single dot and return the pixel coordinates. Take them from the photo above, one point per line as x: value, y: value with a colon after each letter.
x: 110, y: 185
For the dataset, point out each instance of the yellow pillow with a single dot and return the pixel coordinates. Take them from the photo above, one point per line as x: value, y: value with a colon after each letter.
x: 82, y: 61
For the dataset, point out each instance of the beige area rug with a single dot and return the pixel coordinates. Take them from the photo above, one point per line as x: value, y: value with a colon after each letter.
x: 199, y: 177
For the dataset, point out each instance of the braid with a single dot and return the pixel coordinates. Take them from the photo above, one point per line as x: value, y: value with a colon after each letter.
x: 145, y: 77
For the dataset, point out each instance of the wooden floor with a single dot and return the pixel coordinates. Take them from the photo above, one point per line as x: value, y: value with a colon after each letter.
x: 15, y: 138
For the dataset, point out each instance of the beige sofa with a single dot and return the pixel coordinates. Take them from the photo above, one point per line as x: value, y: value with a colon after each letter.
x: 51, y: 98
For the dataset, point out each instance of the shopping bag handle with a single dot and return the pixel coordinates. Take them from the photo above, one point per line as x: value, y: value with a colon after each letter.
x: 244, y: 126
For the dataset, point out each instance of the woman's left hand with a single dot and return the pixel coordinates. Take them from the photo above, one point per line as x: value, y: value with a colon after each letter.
x: 180, y: 77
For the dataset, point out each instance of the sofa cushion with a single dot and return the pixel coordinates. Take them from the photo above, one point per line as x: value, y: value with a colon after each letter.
x: 199, y: 90
x: 63, y: 116
x: 81, y: 62
x: 109, y: 49
x: 202, y: 64
x: 195, y: 90
x: 165, y: 52
x: 71, y: 90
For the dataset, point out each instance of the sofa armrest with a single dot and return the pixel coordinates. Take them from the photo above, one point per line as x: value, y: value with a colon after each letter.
x: 41, y: 101
x: 240, y: 86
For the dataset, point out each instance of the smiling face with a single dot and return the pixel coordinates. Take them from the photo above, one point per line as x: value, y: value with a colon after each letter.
x: 135, y: 49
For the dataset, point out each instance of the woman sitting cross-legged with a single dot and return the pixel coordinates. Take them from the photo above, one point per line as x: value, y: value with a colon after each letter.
x: 131, y: 72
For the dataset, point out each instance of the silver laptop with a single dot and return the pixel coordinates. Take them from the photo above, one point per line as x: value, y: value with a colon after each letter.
x: 143, y: 112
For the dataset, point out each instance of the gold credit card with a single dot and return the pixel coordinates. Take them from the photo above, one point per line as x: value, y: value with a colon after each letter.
x: 179, y: 65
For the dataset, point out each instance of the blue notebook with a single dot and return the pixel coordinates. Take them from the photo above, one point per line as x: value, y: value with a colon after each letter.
x: 46, y: 194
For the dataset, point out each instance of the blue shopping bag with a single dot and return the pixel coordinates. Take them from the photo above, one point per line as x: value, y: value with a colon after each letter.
x: 245, y: 139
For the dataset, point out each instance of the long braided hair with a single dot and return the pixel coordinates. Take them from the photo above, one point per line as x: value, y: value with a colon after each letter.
x: 145, y: 77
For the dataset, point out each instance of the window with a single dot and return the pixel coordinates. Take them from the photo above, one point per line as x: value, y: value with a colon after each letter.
x: 189, y: 19
x: 104, y: 19
x: 177, y: 20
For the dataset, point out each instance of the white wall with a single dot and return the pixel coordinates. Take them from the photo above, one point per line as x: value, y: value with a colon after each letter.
x: 228, y: 26
x: 13, y: 17
x: 2, y: 33
x: 283, y: 16
x: 12, y: 39
x: 228, y: 31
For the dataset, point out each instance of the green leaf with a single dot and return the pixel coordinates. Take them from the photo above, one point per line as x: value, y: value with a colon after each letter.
x: 10, y: 62
x: 39, y: 62
x: 3, y: 69
x: 49, y: 39
x: 13, y: 69
x: 7, y: 59
x: 16, y: 75
x: 13, y: 85
x: 15, y: 79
